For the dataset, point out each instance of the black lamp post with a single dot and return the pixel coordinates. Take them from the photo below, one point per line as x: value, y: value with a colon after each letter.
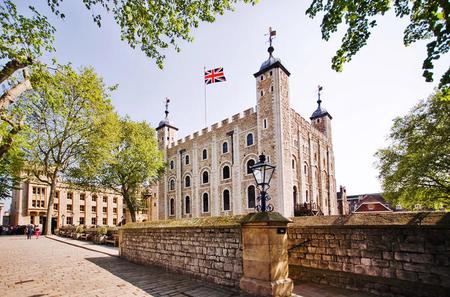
x: 62, y: 220
x: 262, y: 172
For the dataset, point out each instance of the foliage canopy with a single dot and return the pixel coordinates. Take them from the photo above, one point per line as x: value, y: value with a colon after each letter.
x: 429, y: 20
x: 69, y: 121
x: 135, y: 163
x: 415, y: 167
x: 153, y: 26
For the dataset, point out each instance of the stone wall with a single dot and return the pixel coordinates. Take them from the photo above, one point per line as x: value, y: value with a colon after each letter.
x: 389, y: 254
x: 209, y: 249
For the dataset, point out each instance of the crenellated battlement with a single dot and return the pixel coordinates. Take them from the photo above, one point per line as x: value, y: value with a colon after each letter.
x: 214, y: 127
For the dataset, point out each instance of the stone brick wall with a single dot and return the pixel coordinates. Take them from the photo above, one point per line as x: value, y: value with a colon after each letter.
x: 210, y: 253
x: 388, y: 260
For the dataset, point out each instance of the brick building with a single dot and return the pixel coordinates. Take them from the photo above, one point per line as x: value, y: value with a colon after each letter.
x: 78, y: 206
x: 209, y: 173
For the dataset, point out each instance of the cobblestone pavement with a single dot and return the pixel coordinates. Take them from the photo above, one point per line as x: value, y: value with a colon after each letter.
x: 44, y: 267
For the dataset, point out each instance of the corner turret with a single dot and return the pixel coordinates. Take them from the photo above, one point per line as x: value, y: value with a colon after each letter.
x: 321, y: 119
x: 165, y: 131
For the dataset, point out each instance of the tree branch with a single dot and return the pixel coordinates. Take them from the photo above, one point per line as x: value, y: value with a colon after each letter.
x: 11, y: 67
x: 12, y: 94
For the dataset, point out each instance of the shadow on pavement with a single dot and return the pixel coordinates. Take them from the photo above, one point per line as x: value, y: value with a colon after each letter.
x: 159, y: 282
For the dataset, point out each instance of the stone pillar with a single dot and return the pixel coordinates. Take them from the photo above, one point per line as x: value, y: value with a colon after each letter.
x: 265, y: 255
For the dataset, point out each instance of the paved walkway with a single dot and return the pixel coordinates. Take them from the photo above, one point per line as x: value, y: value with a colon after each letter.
x: 89, y: 245
x: 46, y: 267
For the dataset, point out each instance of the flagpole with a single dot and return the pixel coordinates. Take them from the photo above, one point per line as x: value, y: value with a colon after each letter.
x: 204, y: 83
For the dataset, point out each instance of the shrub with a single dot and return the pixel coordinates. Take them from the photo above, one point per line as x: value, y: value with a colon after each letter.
x: 80, y: 229
x: 102, y: 230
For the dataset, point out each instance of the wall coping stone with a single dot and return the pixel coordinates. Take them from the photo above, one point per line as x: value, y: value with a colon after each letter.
x: 215, y: 222
x: 273, y: 217
x: 377, y: 220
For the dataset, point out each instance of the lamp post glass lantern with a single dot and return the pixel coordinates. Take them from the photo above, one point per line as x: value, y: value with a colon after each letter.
x: 262, y: 172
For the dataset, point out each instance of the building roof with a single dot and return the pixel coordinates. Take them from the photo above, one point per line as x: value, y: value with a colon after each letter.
x: 320, y: 112
x: 270, y: 63
x: 372, y: 202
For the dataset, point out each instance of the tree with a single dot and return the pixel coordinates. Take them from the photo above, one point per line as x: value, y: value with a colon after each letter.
x: 10, y: 172
x: 23, y: 41
x: 429, y: 19
x: 135, y: 163
x: 415, y: 167
x: 153, y: 26
x: 69, y: 121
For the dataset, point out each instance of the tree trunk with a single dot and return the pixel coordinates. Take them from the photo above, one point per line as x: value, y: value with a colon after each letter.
x: 130, y: 206
x: 11, y: 67
x: 12, y: 94
x: 133, y: 215
x: 48, y: 223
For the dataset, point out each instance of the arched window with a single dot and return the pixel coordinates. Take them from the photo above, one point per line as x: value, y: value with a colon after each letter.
x: 172, y: 164
x: 205, y: 177
x: 187, y: 181
x: 172, y: 207
x: 172, y: 185
x: 305, y: 169
x: 293, y: 163
x: 294, y: 194
x: 226, y: 172
x: 251, y: 197
x: 249, y: 139
x: 205, y: 202
x: 186, y: 159
x: 205, y: 154
x: 187, y: 205
x: 225, y: 147
x: 250, y: 163
x: 226, y: 200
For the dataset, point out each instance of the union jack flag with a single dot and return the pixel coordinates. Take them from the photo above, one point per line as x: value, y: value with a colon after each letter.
x: 214, y: 76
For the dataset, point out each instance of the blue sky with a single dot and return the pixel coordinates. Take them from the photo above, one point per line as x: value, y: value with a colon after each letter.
x: 383, y: 81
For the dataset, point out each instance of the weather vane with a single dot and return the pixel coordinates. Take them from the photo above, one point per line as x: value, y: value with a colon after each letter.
x: 271, y: 35
x: 319, y: 90
x: 167, y: 107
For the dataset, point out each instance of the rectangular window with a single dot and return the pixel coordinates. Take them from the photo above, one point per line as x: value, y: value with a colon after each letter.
x: 115, y: 210
x: 33, y: 203
x: 105, y: 199
x: 94, y: 198
x: 105, y: 221
x: 114, y: 221
x: 57, y: 194
x: 38, y: 196
x: 69, y: 221
x: 94, y: 221
x: 115, y: 200
x: 104, y: 209
x: 81, y: 207
x: 55, y: 206
x: 82, y: 196
x: 69, y: 206
x: 81, y: 220
x: 69, y: 195
x: 94, y: 208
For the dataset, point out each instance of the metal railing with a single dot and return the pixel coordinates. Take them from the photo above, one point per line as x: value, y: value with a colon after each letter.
x: 307, y: 209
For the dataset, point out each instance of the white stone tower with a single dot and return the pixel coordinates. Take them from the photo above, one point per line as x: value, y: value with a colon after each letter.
x: 273, y: 116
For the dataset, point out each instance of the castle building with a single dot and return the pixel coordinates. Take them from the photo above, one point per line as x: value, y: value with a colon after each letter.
x: 71, y: 206
x: 209, y: 172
